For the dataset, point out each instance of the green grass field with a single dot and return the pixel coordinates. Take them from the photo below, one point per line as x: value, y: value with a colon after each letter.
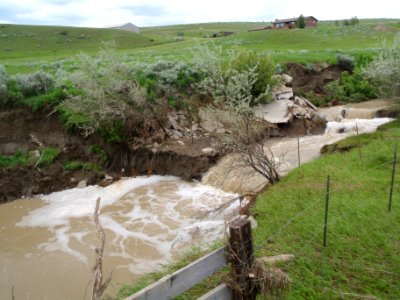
x: 362, y: 254
x: 26, y: 48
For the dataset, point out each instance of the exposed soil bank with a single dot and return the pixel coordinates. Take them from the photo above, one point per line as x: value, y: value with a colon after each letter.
x: 21, y: 130
x: 313, y: 78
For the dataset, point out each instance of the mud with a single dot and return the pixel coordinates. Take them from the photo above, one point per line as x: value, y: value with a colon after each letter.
x: 312, y: 78
x: 21, y: 130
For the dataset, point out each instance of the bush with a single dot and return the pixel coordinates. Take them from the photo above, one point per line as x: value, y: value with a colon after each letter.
x: 384, y: 71
x: 108, y: 92
x: 264, y: 69
x: 14, y: 92
x: 169, y: 78
x: 47, y: 156
x: 51, y: 99
x: 72, y: 119
x: 101, y: 153
x: 346, y: 62
x: 34, y: 84
x: 245, y: 81
x: 17, y: 159
x: 354, y: 21
x: 79, y: 165
x: 363, y: 59
x: 350, y: 88
x: 3, y: 85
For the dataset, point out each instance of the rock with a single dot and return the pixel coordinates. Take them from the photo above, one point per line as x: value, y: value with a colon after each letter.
x: 287, y: 79
x: 276, y: 112
x: 209, y: 123
x: 104, y: 183
x: 283, y: 93
x: 173, y: 121
x: 35, y: 153
x: 9, y: 148
x: 303, y: 102
x: 273, y: 260
x: 108, y: 177
x: 82, y: 184
x: 176, y: 134
x: 209, y: 151
x: 181, y: 143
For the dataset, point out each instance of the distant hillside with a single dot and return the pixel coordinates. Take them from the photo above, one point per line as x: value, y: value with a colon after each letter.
x: 24, y: 48
x: 23, y: 41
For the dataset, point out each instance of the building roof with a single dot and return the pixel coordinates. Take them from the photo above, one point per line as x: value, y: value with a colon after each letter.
x: 290, y: 20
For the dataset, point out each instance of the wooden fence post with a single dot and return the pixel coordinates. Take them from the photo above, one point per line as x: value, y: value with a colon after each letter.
x: 241, y: 257
x: 392, y: 180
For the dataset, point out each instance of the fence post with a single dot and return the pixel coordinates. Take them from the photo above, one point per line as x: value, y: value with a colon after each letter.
x: 241, y: 258
x: 392, y: 181
x: 326, y: 208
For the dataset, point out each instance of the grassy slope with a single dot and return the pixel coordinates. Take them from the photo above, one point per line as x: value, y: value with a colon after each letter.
x: 363, y: 252
x: 319, y: 44
x: 25, y: 48
x: 22, y: 41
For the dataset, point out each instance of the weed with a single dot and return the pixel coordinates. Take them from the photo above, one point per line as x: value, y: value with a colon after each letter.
x: 17, y: 159
x: 47, y: 156
x: 79, y: 165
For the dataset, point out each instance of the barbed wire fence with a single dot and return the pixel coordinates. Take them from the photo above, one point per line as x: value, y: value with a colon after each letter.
x: 335, y: 217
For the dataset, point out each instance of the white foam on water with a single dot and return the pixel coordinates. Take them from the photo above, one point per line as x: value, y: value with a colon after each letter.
x: 160, y: 214
x: 350, y: 125
x: 77, y: 203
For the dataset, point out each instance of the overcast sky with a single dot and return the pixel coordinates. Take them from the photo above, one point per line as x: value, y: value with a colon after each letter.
x: 100, y: 13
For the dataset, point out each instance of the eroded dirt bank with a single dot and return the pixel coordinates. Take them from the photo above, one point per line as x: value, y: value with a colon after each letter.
x: 21, y: 130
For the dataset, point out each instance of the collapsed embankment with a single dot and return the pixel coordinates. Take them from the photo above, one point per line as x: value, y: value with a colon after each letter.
x: 21, y: 130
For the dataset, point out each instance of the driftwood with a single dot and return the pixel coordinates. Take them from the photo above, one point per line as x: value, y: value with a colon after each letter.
x: 98, y: 285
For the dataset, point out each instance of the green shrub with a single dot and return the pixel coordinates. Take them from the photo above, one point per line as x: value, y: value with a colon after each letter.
x: 363, y: 59
x: 264, y: 69
x: 35, y: 83
x: 96, y: 150
x: 168, y: 78
x: 47, y: 156
x: 346, y: 62
x: 14, y: 91
x: 316, y: 99
x: 71, y: 119
x: 17, y: 159
x: 3, y: 86
x: 79, y: 165
x: 384, y: 71
x: 51, y: 99
x: 354, y: 21
x: 108, y: 95
x: 350, y: 88
x: 111, y: 131
x: 73, y: 166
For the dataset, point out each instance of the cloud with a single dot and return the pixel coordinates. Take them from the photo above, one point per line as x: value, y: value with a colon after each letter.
x: 146, y: 10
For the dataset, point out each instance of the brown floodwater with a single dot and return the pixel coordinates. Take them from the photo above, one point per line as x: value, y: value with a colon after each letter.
x: 47, y: 244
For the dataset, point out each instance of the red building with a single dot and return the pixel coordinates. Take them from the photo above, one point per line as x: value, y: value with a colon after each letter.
x: 291, y: 23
